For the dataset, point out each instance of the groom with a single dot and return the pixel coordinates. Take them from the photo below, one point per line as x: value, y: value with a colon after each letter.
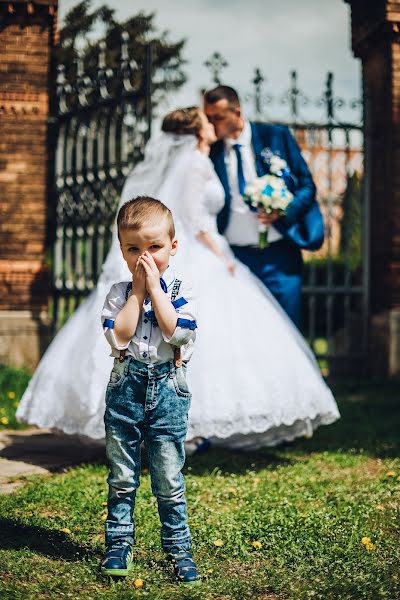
x: 243, y: 152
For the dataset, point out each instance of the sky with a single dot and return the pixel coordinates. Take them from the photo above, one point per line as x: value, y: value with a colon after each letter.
x: 310, y: 36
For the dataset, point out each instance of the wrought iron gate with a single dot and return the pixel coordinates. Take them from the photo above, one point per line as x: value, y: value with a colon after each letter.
x: 102, y: 124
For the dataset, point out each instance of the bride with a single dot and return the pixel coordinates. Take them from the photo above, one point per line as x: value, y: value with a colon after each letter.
x: 255, y: 382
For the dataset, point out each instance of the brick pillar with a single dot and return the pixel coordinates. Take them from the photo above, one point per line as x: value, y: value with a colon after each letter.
x: 376, y: 41
x: 26, y: 38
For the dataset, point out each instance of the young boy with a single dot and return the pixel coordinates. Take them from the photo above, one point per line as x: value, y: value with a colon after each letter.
x: 150, y: 324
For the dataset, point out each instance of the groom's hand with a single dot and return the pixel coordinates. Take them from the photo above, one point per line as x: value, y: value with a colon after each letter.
x: 267, y: 218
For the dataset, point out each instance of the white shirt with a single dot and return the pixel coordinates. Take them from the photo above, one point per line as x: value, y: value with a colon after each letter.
x: 242, y: 228
x: 149, y: 344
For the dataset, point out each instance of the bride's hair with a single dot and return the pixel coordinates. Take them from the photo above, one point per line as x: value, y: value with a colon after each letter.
x: 184, y: 121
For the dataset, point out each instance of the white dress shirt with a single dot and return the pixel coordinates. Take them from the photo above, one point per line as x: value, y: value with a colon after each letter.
x: 242, y: 228
x: 149, y: 344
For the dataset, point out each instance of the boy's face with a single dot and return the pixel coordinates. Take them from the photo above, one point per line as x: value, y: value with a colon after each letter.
x: 153, y: 238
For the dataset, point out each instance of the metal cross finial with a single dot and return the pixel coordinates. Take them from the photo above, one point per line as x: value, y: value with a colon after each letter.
x: 216, y: 63
x: 257, y: 81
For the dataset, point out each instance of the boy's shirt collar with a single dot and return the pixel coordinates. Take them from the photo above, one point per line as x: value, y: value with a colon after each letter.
x: 167, y: 278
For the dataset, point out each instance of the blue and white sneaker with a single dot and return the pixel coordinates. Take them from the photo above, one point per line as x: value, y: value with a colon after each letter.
x: 117, y: 560
x: 185, y: 568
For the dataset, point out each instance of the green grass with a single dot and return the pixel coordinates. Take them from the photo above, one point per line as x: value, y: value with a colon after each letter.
x: 12, y: 385
x: 309, y: 504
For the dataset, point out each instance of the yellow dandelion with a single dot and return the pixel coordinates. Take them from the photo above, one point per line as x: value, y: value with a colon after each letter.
x: 65, y: 530
x: 104, y: 503
x: 103, y: 517
x: 370, y: 546
x: 391, y: 474
x: 365, y: 540
x: 380, y: 507
x: 257, y: 545
x: 232, y: 491
x: 11, y: 395
x: 4, y: 421
x: 77, y: 528
x: 138, y: 583
x: 209, y: 571
x: 218, y: 543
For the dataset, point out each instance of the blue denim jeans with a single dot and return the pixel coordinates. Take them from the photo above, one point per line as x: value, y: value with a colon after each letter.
x: 149, y: 403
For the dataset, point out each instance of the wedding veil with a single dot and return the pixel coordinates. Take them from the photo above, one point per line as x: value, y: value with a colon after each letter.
x: 160, y: 175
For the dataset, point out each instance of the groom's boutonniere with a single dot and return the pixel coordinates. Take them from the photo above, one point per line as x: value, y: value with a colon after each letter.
x: 278, y: 166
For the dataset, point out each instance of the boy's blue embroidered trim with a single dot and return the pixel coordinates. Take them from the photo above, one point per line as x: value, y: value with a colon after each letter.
x: 179, y: 302
x: 109, y: 323
x: 186, y: 324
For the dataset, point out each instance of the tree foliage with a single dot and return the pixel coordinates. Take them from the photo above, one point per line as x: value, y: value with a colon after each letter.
x: 84, y: 28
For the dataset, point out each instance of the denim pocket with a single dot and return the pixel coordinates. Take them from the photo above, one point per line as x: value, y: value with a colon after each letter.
x: 180, y: 382
x: 117, y: 373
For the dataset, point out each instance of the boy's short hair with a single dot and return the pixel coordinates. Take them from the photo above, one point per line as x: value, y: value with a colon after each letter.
x: 141, y: 210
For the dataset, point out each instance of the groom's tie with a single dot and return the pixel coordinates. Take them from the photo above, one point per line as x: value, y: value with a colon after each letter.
x: 241, y: 179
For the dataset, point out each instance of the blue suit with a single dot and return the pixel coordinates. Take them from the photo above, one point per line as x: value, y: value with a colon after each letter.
x: 280, y: 265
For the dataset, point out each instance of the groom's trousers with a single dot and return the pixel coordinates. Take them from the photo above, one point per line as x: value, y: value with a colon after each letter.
x: 280, y: 269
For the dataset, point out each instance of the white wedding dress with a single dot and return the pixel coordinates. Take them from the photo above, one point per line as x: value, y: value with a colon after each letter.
x: 254, y: 380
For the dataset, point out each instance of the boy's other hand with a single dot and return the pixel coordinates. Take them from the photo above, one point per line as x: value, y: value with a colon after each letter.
x: 151, y: 272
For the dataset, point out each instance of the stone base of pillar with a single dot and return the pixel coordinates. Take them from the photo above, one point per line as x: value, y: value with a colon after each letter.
x: 385, y: 344
x: 23, y: 338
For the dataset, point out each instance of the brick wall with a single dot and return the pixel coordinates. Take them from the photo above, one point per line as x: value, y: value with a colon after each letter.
x: 376, y: 40
x: 26, y: 38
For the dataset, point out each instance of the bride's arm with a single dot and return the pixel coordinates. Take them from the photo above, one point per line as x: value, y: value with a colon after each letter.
x: 195, y: 213
x: 205, y: 238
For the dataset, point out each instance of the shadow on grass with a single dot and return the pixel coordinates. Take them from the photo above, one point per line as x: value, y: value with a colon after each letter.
x: 369, y: 425
x: 237, y: 462
x: 51, y: 451
x: 54, y: 544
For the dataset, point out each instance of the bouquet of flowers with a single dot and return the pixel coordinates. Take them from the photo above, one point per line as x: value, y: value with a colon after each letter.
x: 267, y: 193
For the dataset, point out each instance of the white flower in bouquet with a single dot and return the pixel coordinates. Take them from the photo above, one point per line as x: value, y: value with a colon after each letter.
x: 267, y: 194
